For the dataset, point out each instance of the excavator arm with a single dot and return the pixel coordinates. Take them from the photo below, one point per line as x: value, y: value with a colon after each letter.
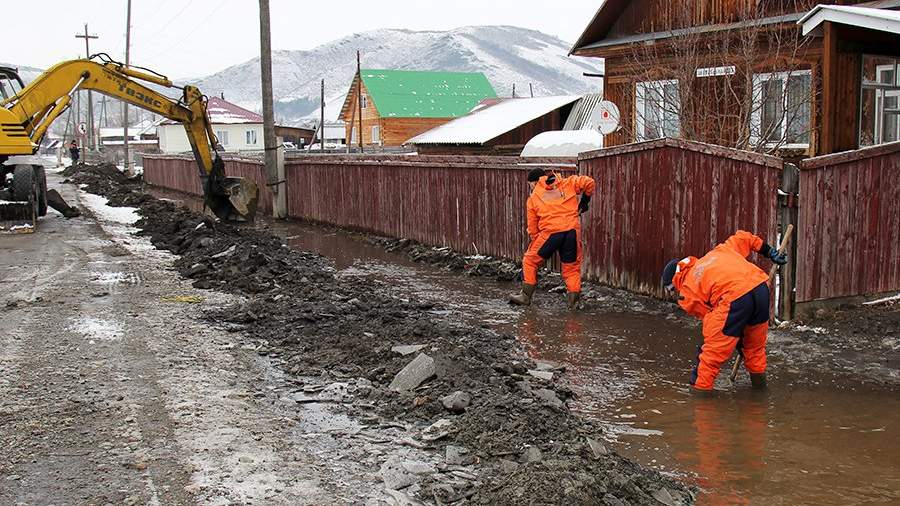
x: 37, y: 105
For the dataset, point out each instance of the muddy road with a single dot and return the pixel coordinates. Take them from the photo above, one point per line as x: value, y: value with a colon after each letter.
x: 824, y: 433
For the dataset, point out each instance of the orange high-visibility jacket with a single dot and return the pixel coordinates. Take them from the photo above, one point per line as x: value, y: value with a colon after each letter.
x: 721, y: 276
x: 554, y: 208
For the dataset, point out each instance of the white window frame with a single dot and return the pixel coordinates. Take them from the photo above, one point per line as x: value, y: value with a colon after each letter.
x: 364, y: 101
x: 640, y: 101
x: 756, y: 114
x: 251, y: 137
x: 880, y: 94
x: 222, y: 136
x: 376, y: 134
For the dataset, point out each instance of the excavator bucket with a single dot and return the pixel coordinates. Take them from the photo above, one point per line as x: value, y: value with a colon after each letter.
x: 230, y: 198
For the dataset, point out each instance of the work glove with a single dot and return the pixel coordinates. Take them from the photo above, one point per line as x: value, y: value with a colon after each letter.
x: 779, y: 258
x: 584, y: 204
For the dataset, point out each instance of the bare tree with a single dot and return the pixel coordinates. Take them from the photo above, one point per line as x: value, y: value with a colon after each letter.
x: 747, y: 83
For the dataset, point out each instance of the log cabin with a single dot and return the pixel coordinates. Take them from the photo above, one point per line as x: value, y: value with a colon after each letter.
x: 784, y: 77
x: 397, y: 105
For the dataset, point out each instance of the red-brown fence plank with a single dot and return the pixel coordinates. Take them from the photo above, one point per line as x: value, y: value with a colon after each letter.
x: 848, y: 238
x: 669, y: 199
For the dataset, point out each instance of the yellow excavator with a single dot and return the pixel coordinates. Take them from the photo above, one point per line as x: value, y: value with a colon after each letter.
x: 26, y: 113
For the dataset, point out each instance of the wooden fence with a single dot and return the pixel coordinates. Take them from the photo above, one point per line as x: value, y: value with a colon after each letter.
x: 180, y: 173
x: 666, y: 199
x: 849, y: 234
x: 472, y: 204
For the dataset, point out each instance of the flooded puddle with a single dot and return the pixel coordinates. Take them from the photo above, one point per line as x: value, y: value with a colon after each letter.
x: 815, y: 441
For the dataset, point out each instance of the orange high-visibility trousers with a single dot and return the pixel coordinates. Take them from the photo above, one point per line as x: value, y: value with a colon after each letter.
x: 542, y: 248
x: 745, y: 320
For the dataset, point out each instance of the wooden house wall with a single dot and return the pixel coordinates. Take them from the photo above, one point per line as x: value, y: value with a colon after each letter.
x: 394, y: 131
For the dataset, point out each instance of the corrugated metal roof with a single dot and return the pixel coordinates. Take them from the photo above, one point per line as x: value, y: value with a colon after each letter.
x: 492, y: 121
x: 222, y: 112
x: 425, y: 94
x: 582, y: 111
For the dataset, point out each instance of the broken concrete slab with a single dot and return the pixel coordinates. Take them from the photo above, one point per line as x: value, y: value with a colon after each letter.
x: 598, y: 449
x: 664, y: 497
x: 457, y: 402
x: 414, y: 374
x: 549, y: 398
x: 541, y: 375
x: 531, y: 454
x: 395, y: 475
x: 458, y: 456
x: 408, y: 349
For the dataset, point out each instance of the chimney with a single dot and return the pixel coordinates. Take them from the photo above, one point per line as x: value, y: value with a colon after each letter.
x: 223, y: 95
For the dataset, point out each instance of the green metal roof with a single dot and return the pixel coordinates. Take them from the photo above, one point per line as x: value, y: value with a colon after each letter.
x: 425, y: 94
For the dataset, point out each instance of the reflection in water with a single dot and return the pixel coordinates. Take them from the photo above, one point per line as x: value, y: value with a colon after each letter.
x: 795, y: 444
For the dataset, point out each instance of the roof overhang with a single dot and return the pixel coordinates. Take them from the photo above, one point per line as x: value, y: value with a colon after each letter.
x: 863, y: 17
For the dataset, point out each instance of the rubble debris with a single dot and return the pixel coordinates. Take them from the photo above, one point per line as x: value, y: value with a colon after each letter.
x: 414, y: 374
x: 407, y: 349
x: 549, y: 398
x: 294, y: 305
x: 457, y: 402
x: 458, y: 456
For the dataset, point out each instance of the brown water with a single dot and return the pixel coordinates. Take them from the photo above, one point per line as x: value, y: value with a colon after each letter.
x: 812, y: 438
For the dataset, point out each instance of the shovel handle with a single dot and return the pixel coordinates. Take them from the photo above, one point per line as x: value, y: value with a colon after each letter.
x: 785, y: 240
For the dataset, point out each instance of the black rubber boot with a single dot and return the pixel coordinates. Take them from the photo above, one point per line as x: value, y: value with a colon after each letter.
x: 758, y: 380
x: 523, y: 298
x: 572, y: 299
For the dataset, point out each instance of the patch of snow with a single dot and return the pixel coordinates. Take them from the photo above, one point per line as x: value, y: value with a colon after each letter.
x: 892, y: 298
x: 98, y: 205
x: 490, y: 122
x: 97, y: 328
x: 564, y: 143
x: 112, y: 278
x: 814, y: 330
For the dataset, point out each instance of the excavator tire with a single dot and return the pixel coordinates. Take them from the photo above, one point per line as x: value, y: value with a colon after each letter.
x: 24, y: 183
x: 42, y: 190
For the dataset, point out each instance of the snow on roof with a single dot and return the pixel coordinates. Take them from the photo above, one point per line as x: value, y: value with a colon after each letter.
x: 222, y: 112
x: 864, y: 17
x: 563, y: 143
x: 486, y: 123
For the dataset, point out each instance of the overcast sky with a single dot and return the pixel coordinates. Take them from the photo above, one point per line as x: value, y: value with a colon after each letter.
x: 193, y: 38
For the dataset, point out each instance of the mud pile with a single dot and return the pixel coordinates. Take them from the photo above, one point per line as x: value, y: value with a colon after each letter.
x: 107, y: 180
x: 500, y: 418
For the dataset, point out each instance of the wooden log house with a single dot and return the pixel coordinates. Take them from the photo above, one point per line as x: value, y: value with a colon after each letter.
x: 747, y: 74
x: 397, y: 105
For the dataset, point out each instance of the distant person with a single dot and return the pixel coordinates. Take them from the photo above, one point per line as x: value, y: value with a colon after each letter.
x: 731, y: 296
x: 74, y: 151
x: 554, y: 227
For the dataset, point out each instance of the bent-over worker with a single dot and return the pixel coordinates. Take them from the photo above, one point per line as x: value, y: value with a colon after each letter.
x: 731, y: 296
x: 554, y: 227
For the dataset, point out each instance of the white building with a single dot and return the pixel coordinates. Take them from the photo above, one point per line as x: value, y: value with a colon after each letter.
x: 236, y: 128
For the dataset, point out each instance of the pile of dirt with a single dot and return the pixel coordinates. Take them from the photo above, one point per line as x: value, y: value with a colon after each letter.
x: 472, y: 389
x: 107, y: 180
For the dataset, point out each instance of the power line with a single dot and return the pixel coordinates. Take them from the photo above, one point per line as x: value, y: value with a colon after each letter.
x: 196, y: 27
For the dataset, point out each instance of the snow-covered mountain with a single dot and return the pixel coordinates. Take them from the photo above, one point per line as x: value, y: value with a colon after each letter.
x: 506, y: 55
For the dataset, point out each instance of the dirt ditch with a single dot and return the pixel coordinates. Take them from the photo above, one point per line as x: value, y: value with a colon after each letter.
x: 499, y: 419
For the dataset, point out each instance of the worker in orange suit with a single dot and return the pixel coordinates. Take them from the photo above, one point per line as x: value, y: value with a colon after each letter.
x: 731, y: 296
x: 554, y: 227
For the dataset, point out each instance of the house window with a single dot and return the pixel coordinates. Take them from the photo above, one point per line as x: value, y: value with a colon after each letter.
x: 251, y: 137
x: 657, y: 110
x: 376, y: 134
x: 364, y: 101
x: 880, y: 101
x: 222, y: 135
x: 780, y: 115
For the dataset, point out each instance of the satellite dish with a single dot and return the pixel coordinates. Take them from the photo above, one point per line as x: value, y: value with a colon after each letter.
x: 604, y: 117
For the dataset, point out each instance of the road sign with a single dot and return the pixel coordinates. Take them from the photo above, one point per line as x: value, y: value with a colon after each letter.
x: 82, y: 128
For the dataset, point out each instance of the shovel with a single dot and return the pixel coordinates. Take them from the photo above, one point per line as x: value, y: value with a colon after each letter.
x: 783, y: 246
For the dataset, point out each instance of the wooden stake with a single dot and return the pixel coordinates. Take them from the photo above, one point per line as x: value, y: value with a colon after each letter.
x: 783, y: 246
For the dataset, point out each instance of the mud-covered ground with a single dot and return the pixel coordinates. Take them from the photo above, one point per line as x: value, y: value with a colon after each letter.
x: 491, y: 425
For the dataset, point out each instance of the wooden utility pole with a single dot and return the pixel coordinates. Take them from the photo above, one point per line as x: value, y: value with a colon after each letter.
x: 514, y: 90
x: 359, y: 99
x: 274, y: 173
x: 125, y: 152
x: 531, y: 90
x: 87, y: 54
x: 322, y: 119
